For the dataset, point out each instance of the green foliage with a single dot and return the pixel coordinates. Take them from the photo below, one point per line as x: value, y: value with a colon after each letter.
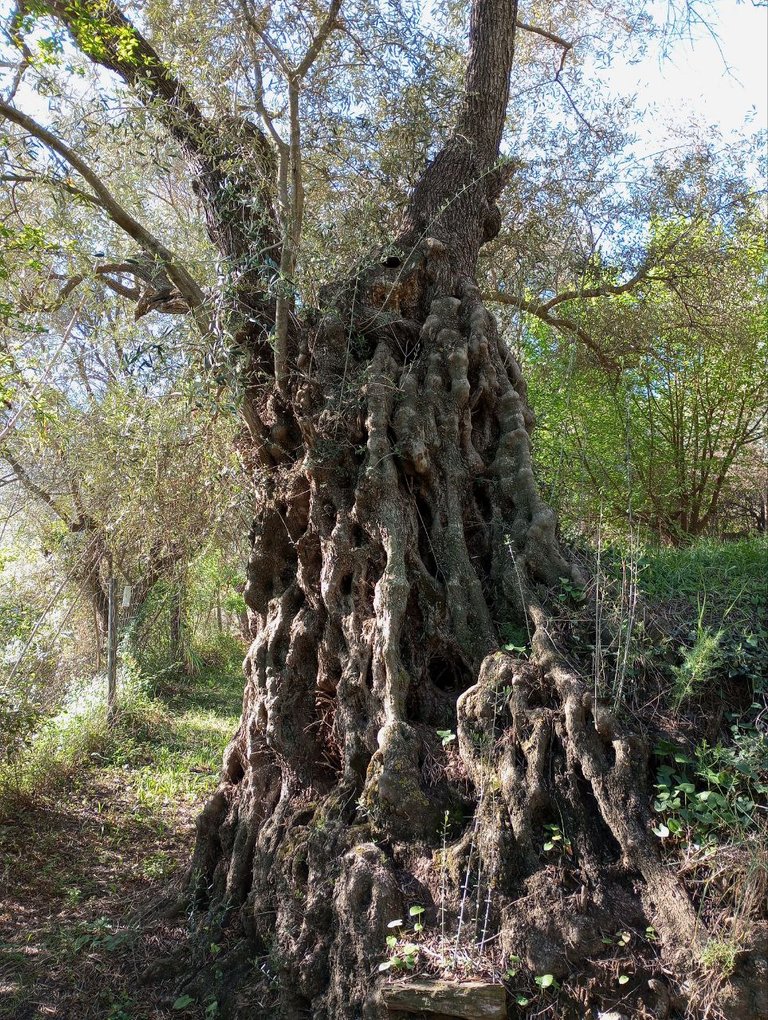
x: 715, y: 791
x: 152, y: 710
x: 700, y: 665
x: 545, y: 981
x: 403, y: 953
x: 667, y: 437
x: 719, y: 955
x: 556, y: 841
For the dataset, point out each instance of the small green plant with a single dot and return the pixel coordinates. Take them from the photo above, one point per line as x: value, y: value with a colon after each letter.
x: 719, y: 955
x: 514, y: 639
x: 570, y: 591
x: 446, y: 736
x: 417, y: 912
x: 98, y: 934
x: 545, y: 981
x: 403, y: 955
x: 555, y: 840
x: 513, y: 967
x: 713, y: 789
x: 700, y: 664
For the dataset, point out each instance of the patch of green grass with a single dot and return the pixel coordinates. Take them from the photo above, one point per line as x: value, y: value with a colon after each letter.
x: 719, y: 955
x: 166, y: 741
x: 725, y: 573
x: 710, y: 601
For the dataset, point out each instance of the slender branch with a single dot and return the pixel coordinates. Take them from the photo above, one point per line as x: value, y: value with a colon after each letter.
x: 12, y: 31
x: 39, y: 383
x: 54, y: 182
x: 188, y: 287
x: 313, y: 50
x: 32, y: 487
x: 544, y: 33
x: 559, y: 323
x: 290, y: 176
x: 603, y: 289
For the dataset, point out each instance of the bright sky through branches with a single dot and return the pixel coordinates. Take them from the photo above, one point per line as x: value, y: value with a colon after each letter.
x: 720, y: 80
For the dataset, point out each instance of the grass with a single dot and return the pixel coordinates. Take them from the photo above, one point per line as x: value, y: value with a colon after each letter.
x: 724, y: 574
x: 700, y: 622
x: 96, y: 826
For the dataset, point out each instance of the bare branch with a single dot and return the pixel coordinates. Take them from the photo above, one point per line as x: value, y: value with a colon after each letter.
x: 330, y: 22
x: 560, y: 323
x: 109, y: 269
x: 32, y: 487
x: 544, y: 33
x: 55, y: 182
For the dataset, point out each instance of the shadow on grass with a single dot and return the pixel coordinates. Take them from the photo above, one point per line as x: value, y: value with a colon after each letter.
x: 84, y: 858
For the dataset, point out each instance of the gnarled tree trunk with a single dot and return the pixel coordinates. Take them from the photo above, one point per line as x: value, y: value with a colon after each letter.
x: 399, y: 532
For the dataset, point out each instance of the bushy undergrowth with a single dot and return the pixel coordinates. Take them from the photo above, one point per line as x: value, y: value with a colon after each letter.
x: 153, y: 710
x: 694, y: 618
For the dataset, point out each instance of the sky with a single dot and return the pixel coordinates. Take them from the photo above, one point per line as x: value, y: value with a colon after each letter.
x: 722, y: 82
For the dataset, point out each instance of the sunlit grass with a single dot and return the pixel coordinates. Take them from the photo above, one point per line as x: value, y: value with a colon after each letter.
x: 165, y: 744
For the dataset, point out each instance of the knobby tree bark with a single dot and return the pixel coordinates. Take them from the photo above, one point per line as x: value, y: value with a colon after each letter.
x: 399, y: 531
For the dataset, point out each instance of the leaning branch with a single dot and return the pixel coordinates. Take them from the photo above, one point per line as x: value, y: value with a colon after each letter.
x: 108, y: 38
x: 32, y: 487
x: 187, y: 286
x: 545, y: 34
x: 560, y: 323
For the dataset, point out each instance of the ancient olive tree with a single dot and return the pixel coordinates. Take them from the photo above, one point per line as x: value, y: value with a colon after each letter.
x: 399, y: 539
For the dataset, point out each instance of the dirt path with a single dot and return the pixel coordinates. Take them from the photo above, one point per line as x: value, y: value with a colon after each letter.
x: 83, y: 868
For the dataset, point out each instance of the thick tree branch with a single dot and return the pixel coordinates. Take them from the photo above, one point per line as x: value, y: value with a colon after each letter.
x: 105, y: 35
x: 486, y: 90
x: 560, y: 323
x: 239, y: 212
x: 455, y: 199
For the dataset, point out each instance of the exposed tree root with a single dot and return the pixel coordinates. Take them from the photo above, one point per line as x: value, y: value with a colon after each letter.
x: 400, y: 531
